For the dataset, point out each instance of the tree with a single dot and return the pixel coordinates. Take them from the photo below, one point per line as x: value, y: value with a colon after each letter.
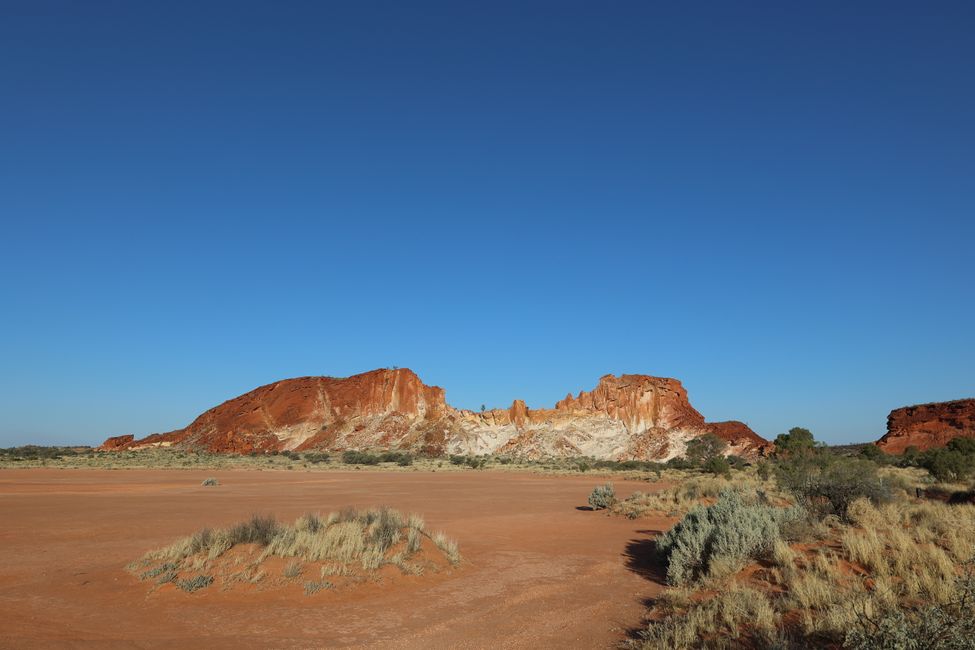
x: 704, y: 448
x: 798, y: 442
x: 483, y: 408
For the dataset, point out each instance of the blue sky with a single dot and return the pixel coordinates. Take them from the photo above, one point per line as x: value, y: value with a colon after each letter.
x: 773, y: 202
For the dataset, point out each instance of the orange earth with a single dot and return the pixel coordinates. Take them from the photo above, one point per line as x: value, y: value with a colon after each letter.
x: 539, y: 571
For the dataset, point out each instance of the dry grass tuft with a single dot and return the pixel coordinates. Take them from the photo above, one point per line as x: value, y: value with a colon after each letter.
x: 344, y: 542
x: 694, y: 491
x: 447, y: 546
x: 741, y: 614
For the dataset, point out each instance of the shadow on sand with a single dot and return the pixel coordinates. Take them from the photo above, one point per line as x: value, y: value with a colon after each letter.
x: 642, y: 558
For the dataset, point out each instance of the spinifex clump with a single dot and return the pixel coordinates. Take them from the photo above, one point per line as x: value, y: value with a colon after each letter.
x: 350, y: 543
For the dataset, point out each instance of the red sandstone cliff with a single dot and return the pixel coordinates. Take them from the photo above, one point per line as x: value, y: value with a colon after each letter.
x: 928, y: 425
x: 632, y: 416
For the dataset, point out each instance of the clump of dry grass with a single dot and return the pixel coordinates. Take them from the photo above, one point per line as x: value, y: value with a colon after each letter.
x: 293, y: 570
x: 892, y: 562
x: 447, y: 546
x: 739, y: 614
x: 679, y: 499
x: 344, y: 542
x: 336, y: 569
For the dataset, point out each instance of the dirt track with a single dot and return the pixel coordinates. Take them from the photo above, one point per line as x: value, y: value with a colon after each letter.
x: 538, y: 571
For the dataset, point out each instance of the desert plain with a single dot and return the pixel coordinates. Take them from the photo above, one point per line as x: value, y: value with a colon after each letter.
x: 539, y: 569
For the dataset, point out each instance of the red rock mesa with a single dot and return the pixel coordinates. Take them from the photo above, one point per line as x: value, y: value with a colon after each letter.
x: 627, y: 417
x: 928, y: 425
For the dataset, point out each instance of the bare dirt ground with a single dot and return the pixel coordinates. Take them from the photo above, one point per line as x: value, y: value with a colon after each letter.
x: 538, y: 571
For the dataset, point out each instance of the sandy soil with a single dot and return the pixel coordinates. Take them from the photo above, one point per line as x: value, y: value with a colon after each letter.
x: 539, y: 572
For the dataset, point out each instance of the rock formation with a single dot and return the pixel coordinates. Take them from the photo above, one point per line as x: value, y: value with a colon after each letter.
x: 928, y: 425
x: 117, y: 442
x: 632, y: 416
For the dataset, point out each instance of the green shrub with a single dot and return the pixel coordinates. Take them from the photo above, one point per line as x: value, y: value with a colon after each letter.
x: 679, y: 463
x: 736, y: 462
x: 474, y: 462
x: 193, y: 584
x: 910, y: 457
x: 874, y: 453
x: 155, y: 572
x: 828, y: 485
x: 962, y: 445
x: 602, y: 497
x: 353, y: 457
x: 401, y: 458
x: 730, y: 531
x: 166, y: 577
x: 954, y: 462
x: 315, y: 587
x: 628, y: 465
x: 717, y: 465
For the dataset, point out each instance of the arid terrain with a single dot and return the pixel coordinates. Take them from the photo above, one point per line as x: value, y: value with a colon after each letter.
x: 539, y: 570
x: 173, y: 542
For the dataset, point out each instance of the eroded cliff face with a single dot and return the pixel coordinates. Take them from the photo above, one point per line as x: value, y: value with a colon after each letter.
x: 926, y: 426
x: 632, y: 416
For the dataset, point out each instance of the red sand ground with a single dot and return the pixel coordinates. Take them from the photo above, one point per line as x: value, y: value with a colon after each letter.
x: 538, y: 572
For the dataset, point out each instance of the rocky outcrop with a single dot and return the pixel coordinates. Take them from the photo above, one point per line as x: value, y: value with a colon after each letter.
x: 926, y: 426
x: 117, y: 442
x: 632, y: 416
x: 738, y: 433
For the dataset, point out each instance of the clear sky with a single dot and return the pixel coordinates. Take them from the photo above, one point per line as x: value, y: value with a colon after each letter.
x: 773, y: 202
